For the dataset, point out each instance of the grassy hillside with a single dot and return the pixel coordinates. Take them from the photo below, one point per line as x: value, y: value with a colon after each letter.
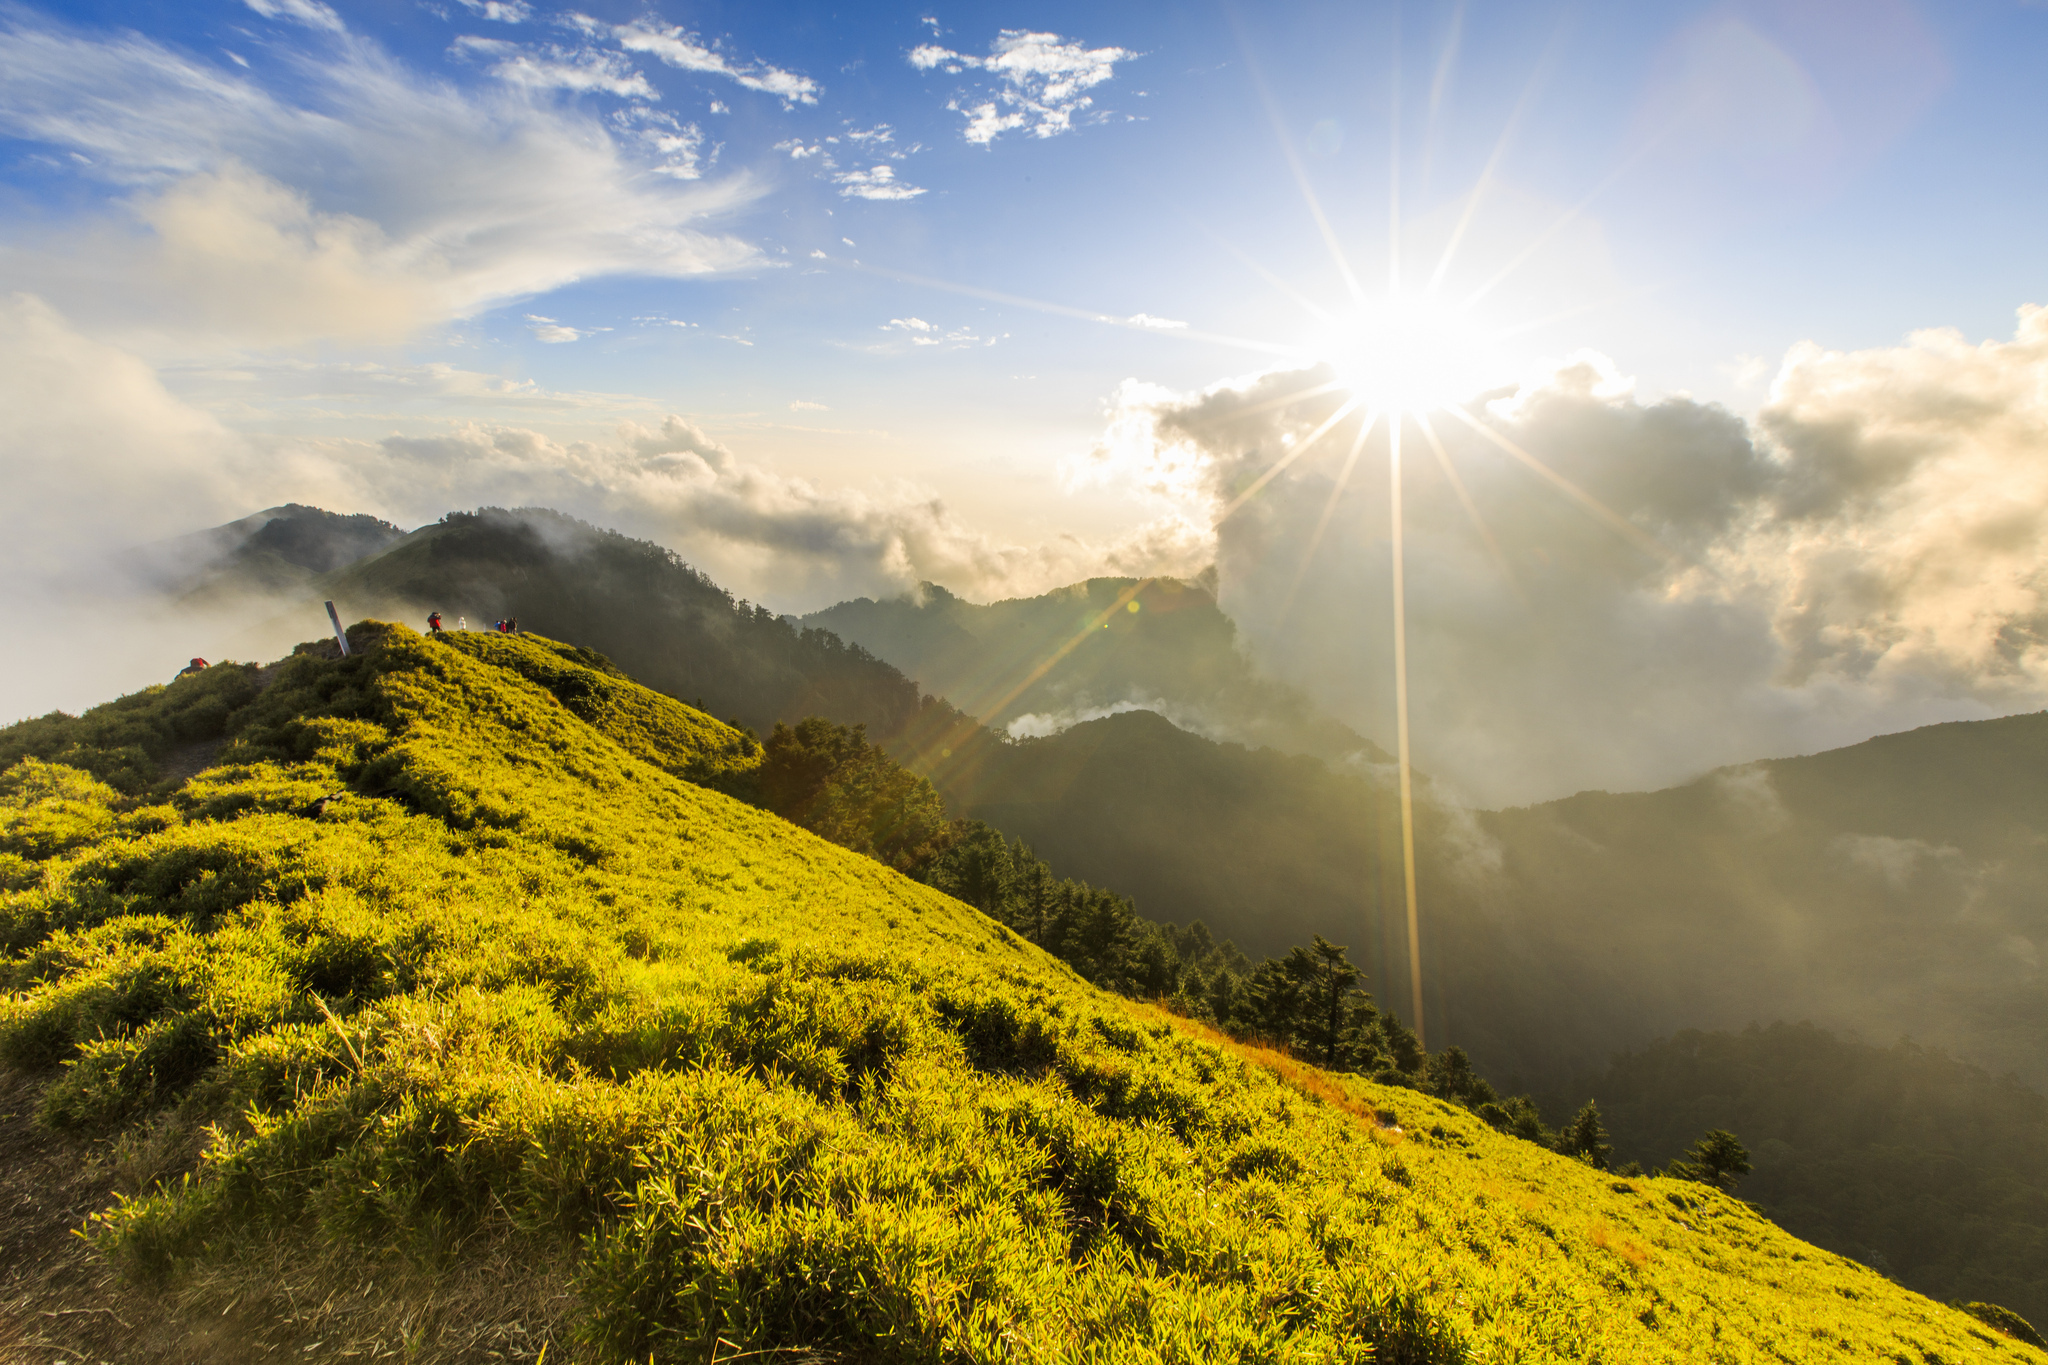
x: 1900, y: 1156
x: 440, y: 962
x: 1046, y: 661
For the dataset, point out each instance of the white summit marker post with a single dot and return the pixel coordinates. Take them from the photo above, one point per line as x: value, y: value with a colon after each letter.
x: 341, y: 636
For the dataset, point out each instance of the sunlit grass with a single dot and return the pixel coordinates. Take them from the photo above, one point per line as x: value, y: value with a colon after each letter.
x: 517, y: 971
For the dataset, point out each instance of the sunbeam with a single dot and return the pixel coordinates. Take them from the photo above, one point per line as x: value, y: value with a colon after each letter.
x: 1394, y: 159
x: 1500, y: 150
x: 1401, y: 726
x: 1443, y: 459
x: 1046, y: 665
x: 1293, y: 158
x: 1323, y: 522
x: 1282, y: 287
x: 1295, y: 452
x: 1627, y: 529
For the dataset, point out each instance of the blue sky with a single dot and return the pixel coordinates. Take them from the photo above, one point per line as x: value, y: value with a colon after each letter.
x: 1845, y: 173
x: 833, y: 298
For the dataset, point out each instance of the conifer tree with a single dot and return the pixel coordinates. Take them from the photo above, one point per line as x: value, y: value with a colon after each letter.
x: 1585, y: 1137
x: 1717, y: 1159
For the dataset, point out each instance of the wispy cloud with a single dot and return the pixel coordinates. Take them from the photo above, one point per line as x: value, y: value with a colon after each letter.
x: 918, y: 332
x: 878, y: 182
x: 557, y: 68
x: 685, y: 51
x: 553, y: 332
x: 311, y: 13
x: 1043, y: 80
x: 1147, y: 321
x: 679, y: 145
x: 503, y: 11
x: 246, y: 229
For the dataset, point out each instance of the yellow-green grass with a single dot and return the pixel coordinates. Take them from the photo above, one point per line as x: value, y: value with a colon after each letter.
x: 518, y: 972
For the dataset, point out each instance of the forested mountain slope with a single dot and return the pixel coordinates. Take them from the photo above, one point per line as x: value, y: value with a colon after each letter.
x: 438, y: 962
x: 1887, y: 888
x: 1929, y: 1169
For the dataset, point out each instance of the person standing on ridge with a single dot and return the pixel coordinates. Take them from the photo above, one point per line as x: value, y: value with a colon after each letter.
x: 434, y: 623
x: 196, y: 666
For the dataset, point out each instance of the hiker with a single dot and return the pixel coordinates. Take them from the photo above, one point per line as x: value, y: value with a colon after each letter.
x: 434, y: 623
x: 512, y: 625
x: 196, y: 666
x: 498, y: 626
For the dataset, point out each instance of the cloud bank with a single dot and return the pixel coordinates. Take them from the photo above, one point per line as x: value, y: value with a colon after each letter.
x: 98, y: 457
x: 1868, y: 556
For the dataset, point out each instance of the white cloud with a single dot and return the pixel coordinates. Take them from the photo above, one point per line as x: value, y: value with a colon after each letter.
x: 849, y: 242
x: 311, y: 13
x: 879, y: 182
x: 553, y: 332
x: 798, y: 151
x: 921, y: 333
x: 679, y: 145
x: 556, y: 68
x: 818, y: 255
x: 369, y: 203
x: 1146, y: 320
x: 684, y: 50
x: 985, y: 123
x: 503, y: 11
x: 1866, y: 558
x: 1043, y: 81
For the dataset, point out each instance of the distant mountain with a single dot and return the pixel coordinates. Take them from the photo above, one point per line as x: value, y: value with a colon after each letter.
x: 279, y: 549
x: 663, y: 622
x: 1892, y: 887
x: 1033, y: 665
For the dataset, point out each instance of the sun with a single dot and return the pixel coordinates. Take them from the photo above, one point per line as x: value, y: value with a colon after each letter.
x: 1409, y: 353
